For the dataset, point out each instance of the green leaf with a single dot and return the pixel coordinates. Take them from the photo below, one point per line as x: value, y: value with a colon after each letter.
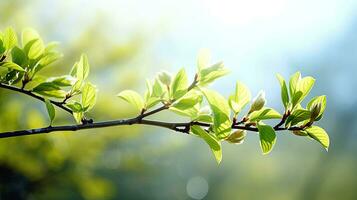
x: 240, y: 98
x: 12, y: 66
x: 209, y: 74
x: 211, y: 140
x: 18, y: 56
x: 284, y: 91
x: 320, y: 135
x: 89, y: 96
x: 237, y: 137
x: 29, y: 35
x: 304, y: 86
x: 150, y: 100
x: 82, y: 70
x: 165, y: 78
x: 294, y: 79
x: 78, y: 116
x: 50, y: 90
x: 49, y: 58
x: 35, y: 49
x: 179, y: 86
x: 298, y: 115
x: 264, y: 113
x: 62, y: 81
x: 267, y: 137
x: 315, y: 101
x: 258, y: 102
x: 9, y: 38
x: 188, y: 105
x: 133, y: 98
x: 158, y: 89
x: 221, y: 113
x: 50, y: 110
x: 75, y: 106
x: 203, y: 59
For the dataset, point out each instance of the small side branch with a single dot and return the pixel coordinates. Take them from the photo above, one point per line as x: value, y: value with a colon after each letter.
x: 29, y: 93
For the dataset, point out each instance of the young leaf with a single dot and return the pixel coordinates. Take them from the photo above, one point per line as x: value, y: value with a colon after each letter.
x: 82, y: 69
x: 304, y: 86
x: 75, y: 106
x: 264, y: 113
x: 18, y: 56
x: 62, y: 81
x: 211, y: 140
x: 50, y: 90
x: 165, y: 78
x: 36, y: 49
x: 298, y: 115
x: 315, y: 101
x: 203, y: 59
x: 50, y: 110
x: 209, y: 74
x: 258, y: 102
x: 9, y: 38
x: 78, y: 116
x: 294, y: 79
x: 320, y: 135
x: 12, y: 66
x: 133, y: 98
x: 89, y: 96
x: 188, y: 105
x: 237, y: 137
x: 284, y: 91
x: 221, y: 113
x: 267, y: 137
x: 179, y: 85
x: 240, y: 98
x: 28, y: 35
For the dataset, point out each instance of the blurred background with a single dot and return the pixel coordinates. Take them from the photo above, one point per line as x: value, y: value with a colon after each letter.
x: 128, y: 41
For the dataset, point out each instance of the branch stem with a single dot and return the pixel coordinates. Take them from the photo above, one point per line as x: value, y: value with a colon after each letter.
x: 29, y: 93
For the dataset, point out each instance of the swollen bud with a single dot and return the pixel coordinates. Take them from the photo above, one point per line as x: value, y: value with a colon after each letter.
x: 236, y: 137
x: 315, y: 111
x: 165, y: 77
x: 258, y: 102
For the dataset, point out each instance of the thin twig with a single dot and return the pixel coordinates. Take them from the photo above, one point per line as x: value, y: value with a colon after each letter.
x: 29, y: 93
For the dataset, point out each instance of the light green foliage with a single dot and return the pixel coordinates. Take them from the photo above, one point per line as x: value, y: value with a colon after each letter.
x: 207, y: 74
x: 9, y: 38
x: 212, y: 117
x: 237, y: 137
x: 240, y: 98
x: 320, y: 135
x: 133, y: 98
x: 179, y: 85
x: 258, y: 102
x: 89, y: 96
x: 264, y: 113
x: 267, y: 138
x: 211, y: 140
x: 284, y: 91
x: 12, y: 66
x: 50, y: 110
x: 221, y: 113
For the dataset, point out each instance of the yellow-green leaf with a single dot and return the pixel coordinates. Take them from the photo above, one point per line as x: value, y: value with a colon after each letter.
x: 267, y: 138
x: 320, y: 135
x: 211, y: 140
x: 50, y: 110
x: 133, y: 98
x: 221, y: 113
x: 89, y: 96
x: 264, y: 113
x: 240, y: 98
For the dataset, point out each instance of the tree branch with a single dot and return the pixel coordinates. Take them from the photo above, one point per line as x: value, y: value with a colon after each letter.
x: 179, y: 127
x: 29, y: 93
